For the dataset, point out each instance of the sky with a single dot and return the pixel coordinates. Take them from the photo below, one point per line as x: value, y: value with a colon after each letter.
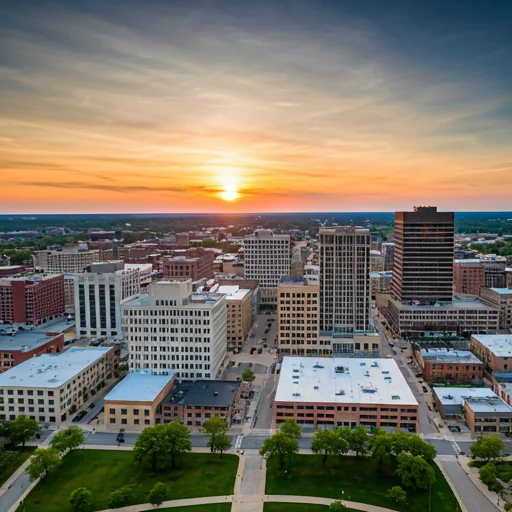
x: 253, y: 106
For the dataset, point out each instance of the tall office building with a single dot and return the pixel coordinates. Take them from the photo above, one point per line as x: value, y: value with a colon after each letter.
x: 388, y: 251
x: 171, y: 329
x: 423, y: 261
x: 267, y: 259
x: 344, y: 279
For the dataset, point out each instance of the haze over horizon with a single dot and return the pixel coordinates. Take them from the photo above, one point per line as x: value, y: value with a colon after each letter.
x: 225, y: 106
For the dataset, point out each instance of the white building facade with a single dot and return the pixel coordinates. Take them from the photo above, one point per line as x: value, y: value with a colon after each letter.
x: 99, y: 294
x: 267, y: 259
x: 170, y: 329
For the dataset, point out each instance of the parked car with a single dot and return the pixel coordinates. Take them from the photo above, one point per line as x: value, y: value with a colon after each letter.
x: 267, y: 330
x: 79, y: 416
x: 425, y: 389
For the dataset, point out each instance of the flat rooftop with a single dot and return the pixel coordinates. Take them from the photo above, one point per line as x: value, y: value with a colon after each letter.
x: 195, y: 300
x: 444, y: 355
x: 233, y: 292
x: 139, y: 387
x: 25, y: 340
x: 457, y: 396
x: 205, y: 392
x: 51, y: 370
x: 488, y: 405
x: 499, y: 344
x: 457, y: 303
x: 502, y: 291
x: 343, y: 380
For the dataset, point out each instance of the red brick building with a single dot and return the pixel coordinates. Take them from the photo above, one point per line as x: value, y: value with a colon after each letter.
x: 16, y: 348
x: 468, y: 276
x: 31, y: 299
x: 450, y: 365
x: 195, y: 263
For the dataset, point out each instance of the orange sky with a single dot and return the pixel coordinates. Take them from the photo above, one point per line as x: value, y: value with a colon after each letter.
x: 143, y: 116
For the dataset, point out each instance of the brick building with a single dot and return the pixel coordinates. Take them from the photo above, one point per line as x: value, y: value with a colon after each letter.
x: 495, y: 350
x: 450, y: 365
x: 18, y: 347
x: 501, y: 299
x: 468, y: 276
x: 345, y: 392
x: 194, y: 263
x: 31, y: 299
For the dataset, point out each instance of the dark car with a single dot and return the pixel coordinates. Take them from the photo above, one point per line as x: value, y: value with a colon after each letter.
x: 267, y: 330
x: 425, y: 389
x: 79, y: 416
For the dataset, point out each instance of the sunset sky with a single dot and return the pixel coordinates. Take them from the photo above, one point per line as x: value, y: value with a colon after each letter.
x: 196, y: 106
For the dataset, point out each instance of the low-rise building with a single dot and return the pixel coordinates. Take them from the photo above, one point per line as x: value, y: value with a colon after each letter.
x: 487, y: 416
x: 22, y: 345
x: 52, y: 387
x: 380, y: 282
x: 192, y: 404
x: 495, y: 350
x: 66, y: 260
x: 468, y: 276
x: 136, y: 402
x: 462, y: 316
x: 145, y: 272
x: 194, y: 263
x: 502, y: 385
x: 450, y: 400
x: 31, y: 299
x: 345, y: 392
x: 495, y: 273
x: 501, y: 299
x: 298, y: 307
x: 450, y: 365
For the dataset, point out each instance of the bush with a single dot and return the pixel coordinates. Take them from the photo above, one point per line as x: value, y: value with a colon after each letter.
x: 120, y: 497
x: 158, y: 494
x: 398, y: 495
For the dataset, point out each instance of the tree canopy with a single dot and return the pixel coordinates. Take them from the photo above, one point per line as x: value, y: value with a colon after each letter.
x: 414, y: 471
x: 280, y: 446
x: 216, y: 428
x: 328, y: 443
x: 19, y: 431
x: 291, y: 429
x: 68, y: 439
x: 248, y: 375
x: 158, y: 494
x: 43, y: 462
x: 120, y: 497
x: 81, y: 500
x: 488, y: 448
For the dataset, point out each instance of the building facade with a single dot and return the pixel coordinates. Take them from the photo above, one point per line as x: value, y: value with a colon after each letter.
x: 173, y: 329
x: 388, y: 251
x: 267, y: 260
x: 32, y: 299
x: 423, y: 259
x: 344, y: 392
x: 51, y: 388
x: 239, y: 314
x: 99, y: 294
x: 450, y: 365
x: 495, y: 273
x: 66, y: 260
x: 298, y: 313
x: 501, y: 299
x: 468, y: 276
x: 194, y: 263
x: 344, y: 254
x: 495, y: 350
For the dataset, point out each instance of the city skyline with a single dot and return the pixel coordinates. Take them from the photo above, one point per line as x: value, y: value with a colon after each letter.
x: 222, y: 106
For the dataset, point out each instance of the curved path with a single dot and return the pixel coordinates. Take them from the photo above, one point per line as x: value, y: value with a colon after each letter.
x: 247, y: 499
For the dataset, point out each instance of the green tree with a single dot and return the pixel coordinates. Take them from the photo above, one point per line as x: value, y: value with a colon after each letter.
x: 68, y: 439
x: 337, y: 506
x: 120, y: 497
x: 381, y: 448
x: 21, y: 430
x: 398, y: 495
x: 488, y: 448
x: 415, y: 471
x: 216, y: 428
x: 328, y: 443
x: 43, y: 462
x: 223, y: 443
x: 161, y: 445
x: 419, y: 447
x: 291, y: 429
x: 158, y: 494
x: 280, y: 446
x: 488, y: 474
x: 248, y: 375
x: 81, y: 500
x: 358, y: 440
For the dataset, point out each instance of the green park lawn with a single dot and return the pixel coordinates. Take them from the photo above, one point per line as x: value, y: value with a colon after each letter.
x: 104, y: 471
x: 216, y: 507
x: 22, y: 454
x: 359, y: 478
x: 296, y: 507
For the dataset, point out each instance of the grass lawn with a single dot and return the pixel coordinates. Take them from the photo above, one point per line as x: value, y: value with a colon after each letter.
x: 296, y: 507
x: 22, y: 454
x: 104, y: 471
x: 359, y: 478
x: 216, y: 507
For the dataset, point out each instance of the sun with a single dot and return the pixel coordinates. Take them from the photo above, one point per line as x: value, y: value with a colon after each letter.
x: 230, y: 192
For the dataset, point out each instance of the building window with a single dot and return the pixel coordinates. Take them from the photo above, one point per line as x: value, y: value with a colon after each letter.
x: 124, y: 412
x: 112, y: 411
x: 124, y: 421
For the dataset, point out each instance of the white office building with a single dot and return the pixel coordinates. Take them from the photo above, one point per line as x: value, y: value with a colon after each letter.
x: 172, y: 329
x: 67, y: 260
x: 267, y: 259
x: 99, y: 293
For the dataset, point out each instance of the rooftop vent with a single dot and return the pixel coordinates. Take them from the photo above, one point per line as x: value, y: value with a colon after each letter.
x: 295, y: 371
x: 340, y: 392
x: 317, y: 366
x: 316, y: 387
x: 385, y: 372
x: 215, y: 393
x: 296, y: 394
x: 395, y: 397
x: 375, y: 364
x: 339, y: 369
x: 362, y: 364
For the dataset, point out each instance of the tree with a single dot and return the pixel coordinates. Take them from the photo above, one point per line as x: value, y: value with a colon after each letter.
x: 488, y: 474
x: 488, y: 448
x: 248, y: 375
x: 68, y: 439
x: 21, y: 430
x: 398, y: 495
x: 120, y: 497
x: 381, y: 447
x: 337, y: 506
x: 415, y: 471
x: 291, y: 429
x: 223, y: 443
x: 81, y: 500
x: 216, y: 427
x: 281, y: 446
x: 358, y: 440
x: 419, y: 447
x: 158, y: 494
x: 43, y: 462
x: 160, y: 445
x: 326, y: 442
